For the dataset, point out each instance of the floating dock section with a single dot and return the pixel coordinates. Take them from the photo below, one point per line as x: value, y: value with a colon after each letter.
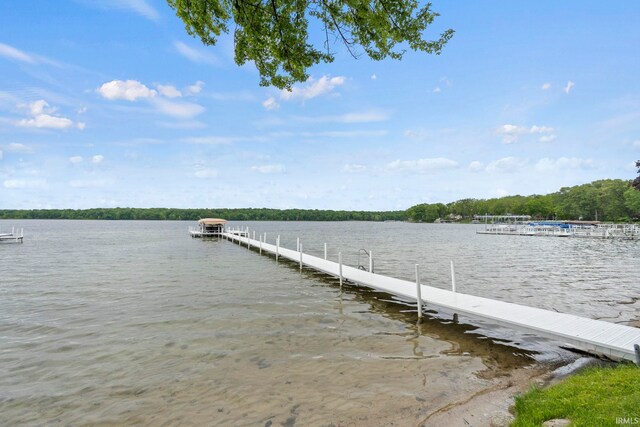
x: 16, y: 236
x: 589, y: 335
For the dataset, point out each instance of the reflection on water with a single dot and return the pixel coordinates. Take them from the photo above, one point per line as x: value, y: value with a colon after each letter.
x: 135, y: 323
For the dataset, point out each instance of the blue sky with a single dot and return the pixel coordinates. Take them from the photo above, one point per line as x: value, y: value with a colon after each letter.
x: 107, y: 103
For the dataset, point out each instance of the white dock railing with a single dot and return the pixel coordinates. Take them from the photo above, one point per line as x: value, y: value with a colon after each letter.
x: 16, y: 235
x: 590, y: 335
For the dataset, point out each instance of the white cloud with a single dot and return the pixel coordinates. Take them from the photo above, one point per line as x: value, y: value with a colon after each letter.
x: 40, y: 107
x: 353, y: 168
x: 563, y: 163
x: 312, y: 88
x: 569, y: 86
x: 46, y: 121
x: 547, y: 138
x: 42, y: 117
x: 271, y: 104
x: 422, y: 165
x: 98, y: 158
x: 16, y: 147
x: 268, y: 169
x: 11, y: 52
x: 24, y: 183
x: 195, y: 55
x: 177, y: 109
x: 436, y: 89
x: 211, y: 140
x: 374, y: 77
x: 476, y: 166
x: 81, y: 125
x: 511, y: 133
x: 545, y: 86
x: 206, y: 173
x: 506, y: 165
x: 540, y: 129
x: 75, y: 159
x: 195, y: 88
x: 169, y: 91
x: 131, y: 90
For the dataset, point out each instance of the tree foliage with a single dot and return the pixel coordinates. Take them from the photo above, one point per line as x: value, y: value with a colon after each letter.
x: 275, y: 34
x: 243, y: 214
x: 636, y: 182
x: 605, y: 200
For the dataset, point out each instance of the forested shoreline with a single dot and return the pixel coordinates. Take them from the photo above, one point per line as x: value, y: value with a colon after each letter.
x: 605, y: 200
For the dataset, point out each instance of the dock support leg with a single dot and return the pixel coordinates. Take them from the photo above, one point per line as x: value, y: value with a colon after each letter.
x: 297, y: 244
x: 300, y: 257
x: 277, y: 247
x: 418, y: 292
x: 325, y: 251
x: 260, y: 245
x: 340, y: 267
x: 636, y: 347
x: 248, y: 240
x: 453, y: 278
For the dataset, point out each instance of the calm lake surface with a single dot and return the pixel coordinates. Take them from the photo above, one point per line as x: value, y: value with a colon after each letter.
x: 112, y: 323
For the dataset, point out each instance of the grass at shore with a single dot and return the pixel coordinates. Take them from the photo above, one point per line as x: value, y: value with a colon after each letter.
x: 595, y: 397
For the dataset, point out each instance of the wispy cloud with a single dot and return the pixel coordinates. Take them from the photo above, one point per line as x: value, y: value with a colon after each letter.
x: 354, y: 168
x: 312, y: 88
x: 14, y: 54
x: 512, y: 133
x: 16, y: 147
x: 507, y: 165
x: 139, y: 7
x: 88, y: 183
x: 25, y: 183
x: 184, y: 110
x: 268, y: 169
x: 270, y: 104
x: 546, y: 86
x: 476, y: 166
x: 199, y: 56
x: 568, y: 87
x: 422, y: 165
x: 75, y: 159
x: 98, y: 158
x: 169, y: 91
x: 358, y: 117
x: 563, y: 163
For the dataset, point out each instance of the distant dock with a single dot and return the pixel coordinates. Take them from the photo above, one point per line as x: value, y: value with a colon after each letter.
x: 16, y: 236
x: 589, y: 335
x: 513, y: 225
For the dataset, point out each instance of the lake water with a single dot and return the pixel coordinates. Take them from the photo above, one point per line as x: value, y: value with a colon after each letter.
x: 120, y: 323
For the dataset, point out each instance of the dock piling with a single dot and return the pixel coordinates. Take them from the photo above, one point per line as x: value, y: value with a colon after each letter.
x: 453, y: 278
x: 325, y: 251
x: 260, y: 244
x: 301, y: 257
x: 297, y: 244
x: 340, y: 267
x: 418, y: 292
x: 277, y: 247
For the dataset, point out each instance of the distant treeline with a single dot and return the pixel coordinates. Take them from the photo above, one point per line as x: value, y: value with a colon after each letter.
x: 605, y: 200
x: 609, y: 200
x: 247, y: 214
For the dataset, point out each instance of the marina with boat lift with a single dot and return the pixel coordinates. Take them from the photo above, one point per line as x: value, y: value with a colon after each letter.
x: 521, y: 225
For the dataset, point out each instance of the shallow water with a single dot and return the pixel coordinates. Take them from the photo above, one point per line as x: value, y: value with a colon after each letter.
x: 136, y: 323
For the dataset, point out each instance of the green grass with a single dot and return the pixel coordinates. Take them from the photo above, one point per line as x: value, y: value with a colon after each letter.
x: 594, y: 397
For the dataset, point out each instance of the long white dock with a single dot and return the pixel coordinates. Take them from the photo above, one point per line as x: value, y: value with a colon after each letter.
x: 593, y: 336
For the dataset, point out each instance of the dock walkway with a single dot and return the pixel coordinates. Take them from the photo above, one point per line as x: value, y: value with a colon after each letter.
x: 590, y: 335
